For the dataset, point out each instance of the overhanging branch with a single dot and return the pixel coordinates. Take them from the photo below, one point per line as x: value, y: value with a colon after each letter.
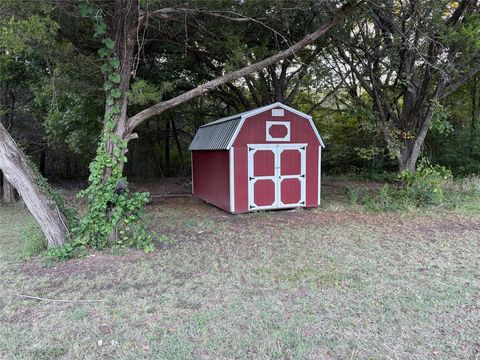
x: 160, y: 107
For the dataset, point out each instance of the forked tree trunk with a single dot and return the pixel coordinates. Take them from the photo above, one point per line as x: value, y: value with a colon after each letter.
x: 408, y: 159
x: 17, y: 171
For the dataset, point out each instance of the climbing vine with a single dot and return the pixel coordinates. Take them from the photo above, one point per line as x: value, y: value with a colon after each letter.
x: 114, y: 214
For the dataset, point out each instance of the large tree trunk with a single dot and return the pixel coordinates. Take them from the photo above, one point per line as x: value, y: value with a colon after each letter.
x: 8, y: 192
x: 17, y: 171
x: 124, y: 33
x: 408, y: 158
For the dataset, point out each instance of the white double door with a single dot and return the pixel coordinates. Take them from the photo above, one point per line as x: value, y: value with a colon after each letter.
x: 276, y: 176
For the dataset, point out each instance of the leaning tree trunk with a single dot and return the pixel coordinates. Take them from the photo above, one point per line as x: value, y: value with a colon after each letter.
x: 8, y: 191
x: 17, y: 171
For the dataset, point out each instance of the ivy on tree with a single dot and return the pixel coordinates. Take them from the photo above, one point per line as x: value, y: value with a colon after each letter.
x: 114, y: 214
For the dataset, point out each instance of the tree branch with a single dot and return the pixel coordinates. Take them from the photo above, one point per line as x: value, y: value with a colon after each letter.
x: 157, y: 109
x: 454, y: 85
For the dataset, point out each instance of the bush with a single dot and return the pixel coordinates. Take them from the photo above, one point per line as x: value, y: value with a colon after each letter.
x: 426, y: 185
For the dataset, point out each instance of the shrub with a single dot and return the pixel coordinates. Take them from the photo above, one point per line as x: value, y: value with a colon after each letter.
x: 426, y: 185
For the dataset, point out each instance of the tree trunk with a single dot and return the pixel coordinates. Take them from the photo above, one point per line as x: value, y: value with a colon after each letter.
x: 179, y: 147
x: 8, y: 196
x: 408, y: 158
x: 17, y: 171
x: 124, y: 34
x: 475, y: 115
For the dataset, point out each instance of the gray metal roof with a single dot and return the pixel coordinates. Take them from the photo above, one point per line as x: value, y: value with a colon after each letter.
x: 215, y: 135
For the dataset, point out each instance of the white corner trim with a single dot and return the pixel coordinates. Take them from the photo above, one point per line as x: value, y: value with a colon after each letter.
x: 319, y: 175
x: 269, y: 124
x: 191, y: 163
x: 231, y: 154
x: 235, y: 134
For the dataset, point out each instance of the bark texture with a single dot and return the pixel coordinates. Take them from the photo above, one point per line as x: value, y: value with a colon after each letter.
x: 17, y: 172
x: 124, y: 32
x: 8, y: 191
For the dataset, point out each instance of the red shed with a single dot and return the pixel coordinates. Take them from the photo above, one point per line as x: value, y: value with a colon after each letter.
x: 266, y: 158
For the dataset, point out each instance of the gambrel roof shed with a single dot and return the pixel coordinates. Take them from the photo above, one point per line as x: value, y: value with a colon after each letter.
x: 265, y: 158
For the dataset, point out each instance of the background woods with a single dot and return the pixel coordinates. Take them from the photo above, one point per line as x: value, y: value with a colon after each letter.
x: 386, y: 82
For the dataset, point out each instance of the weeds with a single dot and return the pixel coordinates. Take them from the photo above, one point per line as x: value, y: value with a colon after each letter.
x: 33, y: 239
x: 430, y: 185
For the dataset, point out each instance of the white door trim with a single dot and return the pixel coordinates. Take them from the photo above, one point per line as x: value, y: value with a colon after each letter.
x: 277, y: 178
x: 252, y: 149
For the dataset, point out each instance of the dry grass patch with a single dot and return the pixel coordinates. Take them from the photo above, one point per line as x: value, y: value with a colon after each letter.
x: 331, y: 283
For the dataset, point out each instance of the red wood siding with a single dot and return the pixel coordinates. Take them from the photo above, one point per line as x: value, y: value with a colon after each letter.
x: 253, y: 132
x: 211, y: 177
x: 241, y: 179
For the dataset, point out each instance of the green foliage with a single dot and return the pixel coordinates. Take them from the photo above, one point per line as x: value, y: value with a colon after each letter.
x: 114, y: 214
x: 34, y: 241
x: 440, y: 119
x: 144, y: 92
x: 425, y: 186
x: 26, y: 36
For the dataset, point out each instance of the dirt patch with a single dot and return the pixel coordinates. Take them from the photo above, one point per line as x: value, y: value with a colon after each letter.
x: 90, y: 266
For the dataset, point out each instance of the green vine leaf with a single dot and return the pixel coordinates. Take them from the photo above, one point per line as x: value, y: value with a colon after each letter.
x: 84, y: 10
x: 115, y: 78
x: 103, y: 52
x: 107, y: 86
x: 100, y: 28
x: 109, y: 43
x: 104, y: 68
x: 114, y: 63
x: 116, y: 93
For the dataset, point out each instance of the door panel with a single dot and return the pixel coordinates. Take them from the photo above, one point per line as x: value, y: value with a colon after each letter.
x: 291, y: 181
x: 264, y: 192
x: 264, y: 163
x: 290, y: 162
x: 290, y: 191
x: 276, y: 176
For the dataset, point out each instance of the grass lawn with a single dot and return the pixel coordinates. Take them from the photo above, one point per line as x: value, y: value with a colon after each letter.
x: 329, y: 283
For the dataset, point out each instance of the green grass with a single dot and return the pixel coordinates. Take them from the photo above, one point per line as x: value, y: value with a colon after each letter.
x: 317, y: 284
